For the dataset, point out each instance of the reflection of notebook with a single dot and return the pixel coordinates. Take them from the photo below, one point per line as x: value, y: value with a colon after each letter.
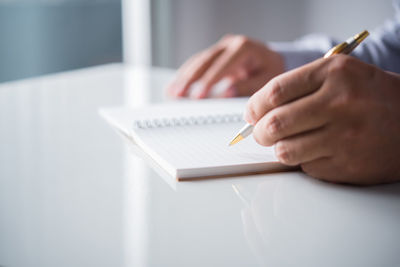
x: 189, y: 139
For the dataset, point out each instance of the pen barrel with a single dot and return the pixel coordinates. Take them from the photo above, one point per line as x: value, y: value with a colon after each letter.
x: 246, y: 130
x: 355, y: 41
x: 336, y: 50
x: 350, y: 47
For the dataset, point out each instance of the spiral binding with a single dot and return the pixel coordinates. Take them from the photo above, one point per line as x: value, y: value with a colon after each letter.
x: 187, y: 121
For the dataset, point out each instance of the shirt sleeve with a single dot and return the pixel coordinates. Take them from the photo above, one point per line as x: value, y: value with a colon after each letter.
x: 382, y: 48
x: 304, y: 50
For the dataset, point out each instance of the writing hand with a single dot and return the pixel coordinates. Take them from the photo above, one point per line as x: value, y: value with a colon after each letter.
x: 338, y: 118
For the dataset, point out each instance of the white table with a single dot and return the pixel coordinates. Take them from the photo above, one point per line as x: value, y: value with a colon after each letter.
x: 73, y: 194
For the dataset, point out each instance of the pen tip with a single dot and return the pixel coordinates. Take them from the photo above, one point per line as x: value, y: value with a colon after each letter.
x: 235, y: 140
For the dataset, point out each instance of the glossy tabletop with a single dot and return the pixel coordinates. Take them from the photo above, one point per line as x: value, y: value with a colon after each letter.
x: 73, y: 193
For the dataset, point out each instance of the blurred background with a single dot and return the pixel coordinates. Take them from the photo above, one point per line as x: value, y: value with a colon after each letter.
x: 46, y: 36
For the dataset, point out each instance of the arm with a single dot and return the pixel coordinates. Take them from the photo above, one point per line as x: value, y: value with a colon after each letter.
x: 249, y: 64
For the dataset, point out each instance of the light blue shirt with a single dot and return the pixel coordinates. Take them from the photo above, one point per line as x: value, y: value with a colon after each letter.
x: 382, y: 48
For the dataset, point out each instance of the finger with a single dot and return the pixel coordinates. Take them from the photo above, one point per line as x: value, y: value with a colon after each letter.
x: 222, y: 66
x: 304, y: 147
x: 173, y: 86
x: 197, y: 69
x: 228, y: 92
x: 193, y: 70
x: 299, y: 116
x: 285, y: 88
x: 242, y: 87
x: 330, y: 170
x: 251, y: 85
x: 323, y: 168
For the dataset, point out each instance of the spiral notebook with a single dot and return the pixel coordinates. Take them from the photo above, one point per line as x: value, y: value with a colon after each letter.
x: 189, y: 139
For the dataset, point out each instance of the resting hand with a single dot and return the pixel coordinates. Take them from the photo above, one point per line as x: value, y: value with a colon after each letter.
x: 338, y: 118
x: 247, y: 64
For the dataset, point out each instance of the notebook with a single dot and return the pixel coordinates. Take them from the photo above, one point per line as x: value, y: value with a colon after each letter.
x: 189, y: 138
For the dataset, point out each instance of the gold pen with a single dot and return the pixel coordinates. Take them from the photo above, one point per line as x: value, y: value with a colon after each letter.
x: 343, y: 48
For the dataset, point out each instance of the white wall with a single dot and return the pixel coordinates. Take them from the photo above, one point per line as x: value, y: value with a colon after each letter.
x: 196, y: 24
x: 351, y: 16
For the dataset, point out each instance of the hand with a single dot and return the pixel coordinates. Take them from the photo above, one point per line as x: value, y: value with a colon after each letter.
x: 246, y: 63
x: 338, y: 118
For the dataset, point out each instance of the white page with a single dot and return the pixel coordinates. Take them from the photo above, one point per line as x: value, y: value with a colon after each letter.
x: 195, y: 150
x: 200, y: 146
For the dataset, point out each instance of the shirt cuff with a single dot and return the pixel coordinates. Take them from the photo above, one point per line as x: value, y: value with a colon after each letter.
x: 295, y: 56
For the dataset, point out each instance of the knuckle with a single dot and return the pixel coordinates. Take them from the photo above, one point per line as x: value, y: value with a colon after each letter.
x: 227, y: 36
x: 342, y: 99
x: 260, y: 137
x: 273, y: 125
x: 254, y: 109
x: 275, y: 93
x: 340, y: 65
x: 283, y: 153
x: 224, y: 40
x: 251, y: 114
x: 241, y: 41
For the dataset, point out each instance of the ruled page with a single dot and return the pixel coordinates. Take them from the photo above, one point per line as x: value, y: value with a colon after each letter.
x: 198, y: 147
x: 203, y: 146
